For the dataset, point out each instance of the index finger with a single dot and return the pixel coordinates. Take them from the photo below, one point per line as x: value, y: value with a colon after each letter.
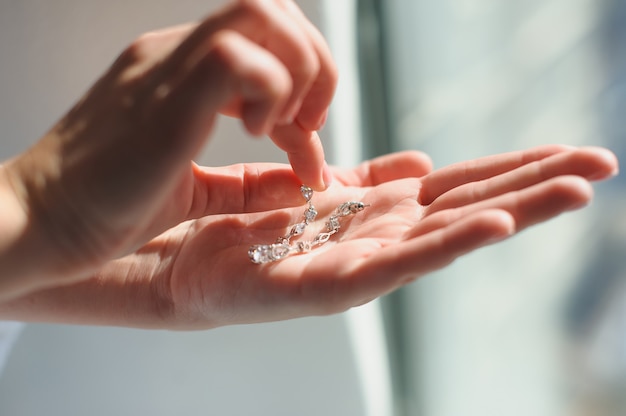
x: 312, y: 114
x: 306, y: 154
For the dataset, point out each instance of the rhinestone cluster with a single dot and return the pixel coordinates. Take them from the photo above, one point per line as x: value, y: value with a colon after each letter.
x: 267, y: 253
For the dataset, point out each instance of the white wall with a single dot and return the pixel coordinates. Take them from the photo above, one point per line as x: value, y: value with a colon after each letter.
x: 50, y: 52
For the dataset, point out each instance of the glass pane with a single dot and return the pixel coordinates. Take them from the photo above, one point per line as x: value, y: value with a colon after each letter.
x: 535, y: 326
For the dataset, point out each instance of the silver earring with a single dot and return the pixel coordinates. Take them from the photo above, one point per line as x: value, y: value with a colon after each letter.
x: 267, y: 253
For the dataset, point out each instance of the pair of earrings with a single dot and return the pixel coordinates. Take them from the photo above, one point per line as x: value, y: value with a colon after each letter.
x: 267, y: 253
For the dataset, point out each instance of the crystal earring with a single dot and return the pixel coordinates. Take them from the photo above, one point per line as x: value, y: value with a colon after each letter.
x: 267, y: 253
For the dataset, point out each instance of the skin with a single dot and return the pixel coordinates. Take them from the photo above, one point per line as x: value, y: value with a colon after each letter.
x: 116, y: 171
x: 107, y: 220
x: 197, y: 275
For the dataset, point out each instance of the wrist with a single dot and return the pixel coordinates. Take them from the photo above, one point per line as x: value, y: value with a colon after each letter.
x: 29, y: 258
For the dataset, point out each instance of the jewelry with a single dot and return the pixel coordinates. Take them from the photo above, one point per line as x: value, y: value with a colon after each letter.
x: 267, y: 253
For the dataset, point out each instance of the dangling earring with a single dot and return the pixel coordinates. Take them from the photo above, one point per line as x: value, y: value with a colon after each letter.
x: 267, y: 253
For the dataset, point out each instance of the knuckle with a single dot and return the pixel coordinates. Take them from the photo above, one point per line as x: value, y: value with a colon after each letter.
x: 277, y: 86
x: 309, y: 66
x: 223, y: 48
x: 259, y: 72
x: 136, y: 50
x: 222, y: 54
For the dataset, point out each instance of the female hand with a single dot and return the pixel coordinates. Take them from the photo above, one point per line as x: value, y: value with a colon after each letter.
x: 117, y: 171
x: 198, y: 275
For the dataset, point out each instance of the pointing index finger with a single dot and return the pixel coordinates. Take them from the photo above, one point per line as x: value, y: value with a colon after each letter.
x: 306, y: 154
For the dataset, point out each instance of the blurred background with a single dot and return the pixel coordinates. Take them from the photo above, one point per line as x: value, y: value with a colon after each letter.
x: 534, y: 326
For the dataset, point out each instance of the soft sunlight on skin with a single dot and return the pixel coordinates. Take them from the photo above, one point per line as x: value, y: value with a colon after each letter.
x: 106, y: 220
x: 197, y: 275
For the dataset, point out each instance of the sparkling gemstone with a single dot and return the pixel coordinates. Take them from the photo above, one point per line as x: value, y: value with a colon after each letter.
x: 344, y: 209
x: 307, y: 193
x: 310, y: 214
x: 304, y: 246
x: 333, y: 224
x: 279, y: 251
x: 298, y: 229
x: 260, y: 254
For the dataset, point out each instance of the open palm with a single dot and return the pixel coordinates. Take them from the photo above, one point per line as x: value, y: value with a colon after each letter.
x: 417, y: 222
x: 198, y: 274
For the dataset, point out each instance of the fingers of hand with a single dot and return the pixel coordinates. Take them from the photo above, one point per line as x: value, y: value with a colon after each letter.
x: 362, y: 269
x: 306, y: 154
x: 387, y: 168
x: 260, y: 60
x: 527, y: 206
x: 243, y: 188
x: 447, y: 178
x: 414, y: 257
x: 269, y: 24
x: 523, y: 193
x: 589, y: 163
x: 231, y: 67
x: 314, y: 110
x: 260, y: 83
x: 307, y: 74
